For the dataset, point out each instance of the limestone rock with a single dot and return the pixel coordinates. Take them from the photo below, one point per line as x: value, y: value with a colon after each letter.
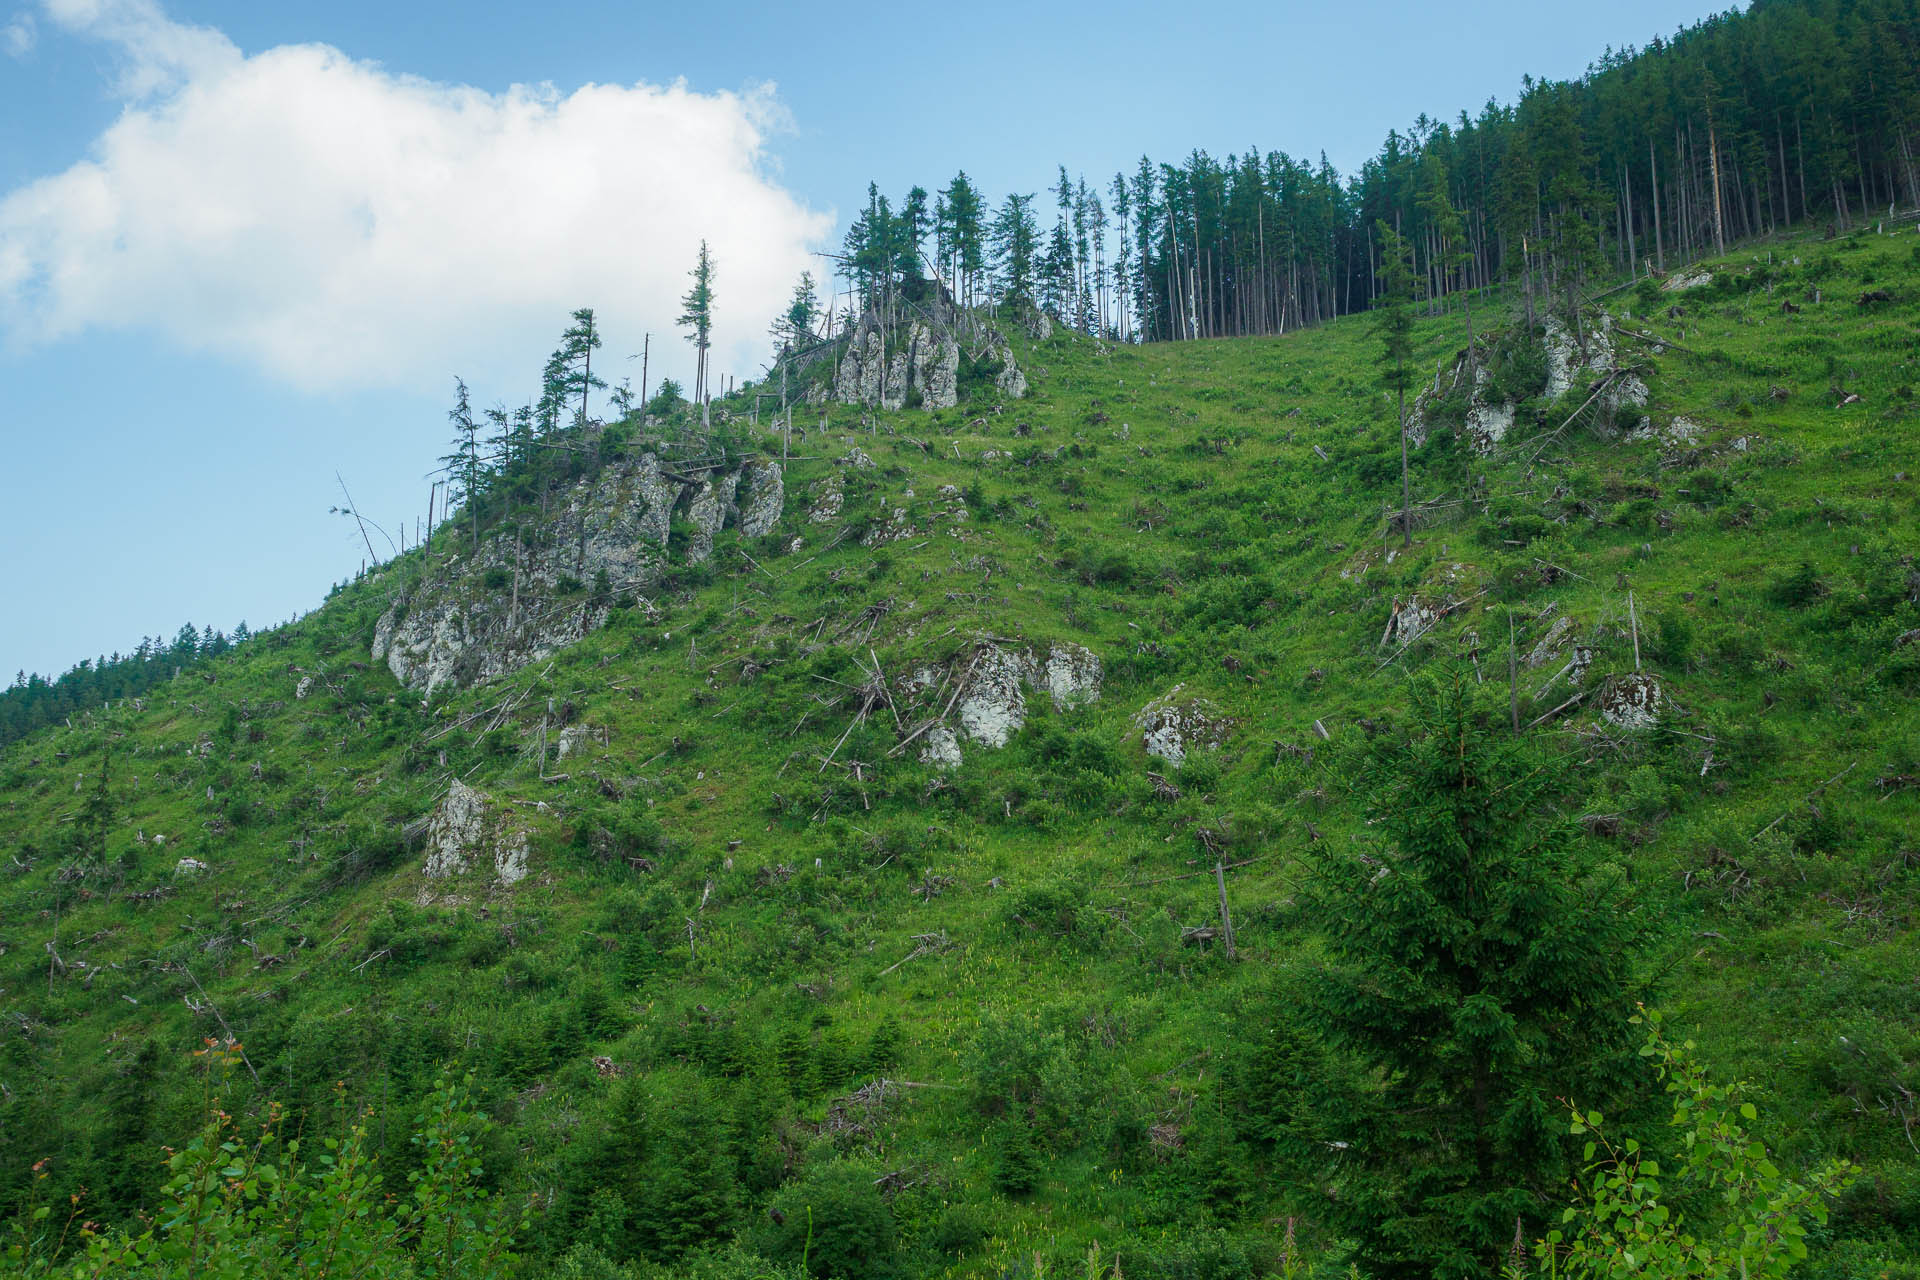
x: 992, y: 706
x: 893, y: 388
x: 942, y: 749
x: 761, y: 494
x: 705, y: 512
x: 1412, y: 619
x: 1171, y: 727
x: 828, y: 501
x: 894, y: 525
x: 1631, y: 702
x: 858, y: 379
x: 1009, y: 381
x: 570, y: 739
x: 483, y: 613
x: 187, y: 866
x: 465, y: 825
x: 940, y: 375
x: 304, y: 687
x: 1072, y: 676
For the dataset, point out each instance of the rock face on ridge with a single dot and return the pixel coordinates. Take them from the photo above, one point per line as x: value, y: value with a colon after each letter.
x: 478, y: 615
x: 915, y: 363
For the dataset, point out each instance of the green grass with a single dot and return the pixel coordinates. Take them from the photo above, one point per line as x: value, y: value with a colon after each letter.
x: 1169, y: 508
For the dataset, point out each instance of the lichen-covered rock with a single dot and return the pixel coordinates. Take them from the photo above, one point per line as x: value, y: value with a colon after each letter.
x: 1412, y: 619
x: 1009, y: 381
x: 1567, y: 360
x: 465, y: 825
x: 939, y: 372
x: 1551, y: 643
x: 570, y: 740
x: 760, y: 497
x: 1072, y: 676
x: 992, y: 706
x: 862, y: 368
x: 705, y: 512
x: 828, y: 500
x: 1631, y: 702
x: 1172, y: 727
x: 893, y: 525
x: 893, y: 388
x: 478, y: 614
x: 942, y: 749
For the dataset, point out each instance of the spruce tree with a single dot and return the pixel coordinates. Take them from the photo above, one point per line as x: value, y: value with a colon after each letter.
x: 1481, y: 964
x: 577, y: 346
x: 463, y: 464
x: 1016, y: 240
x: 793, y: 328
x: 1393, y: 325
x: 696, y: 317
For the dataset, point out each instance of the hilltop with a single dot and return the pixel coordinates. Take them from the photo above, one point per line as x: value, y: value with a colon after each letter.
x: 857, y: 847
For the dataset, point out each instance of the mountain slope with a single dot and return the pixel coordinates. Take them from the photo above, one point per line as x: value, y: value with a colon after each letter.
x: 744, y: 901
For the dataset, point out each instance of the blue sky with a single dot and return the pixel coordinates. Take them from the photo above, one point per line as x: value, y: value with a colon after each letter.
x: 244, y: 246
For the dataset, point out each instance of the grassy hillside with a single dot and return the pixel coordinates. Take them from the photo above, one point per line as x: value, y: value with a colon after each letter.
x: 744, y: 907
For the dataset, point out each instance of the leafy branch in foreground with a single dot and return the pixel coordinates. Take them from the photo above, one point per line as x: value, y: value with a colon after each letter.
x: 1629, y: 1226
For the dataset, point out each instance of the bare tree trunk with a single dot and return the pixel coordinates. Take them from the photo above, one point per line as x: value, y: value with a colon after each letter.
x: 1659, y: 241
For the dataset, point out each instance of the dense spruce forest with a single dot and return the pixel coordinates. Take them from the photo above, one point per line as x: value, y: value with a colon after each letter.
x: 1789, y: 111
x: 1420, y: 785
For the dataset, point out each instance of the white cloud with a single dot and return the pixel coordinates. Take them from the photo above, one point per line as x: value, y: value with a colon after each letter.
x: 339, y: 225
x: 19, y: 35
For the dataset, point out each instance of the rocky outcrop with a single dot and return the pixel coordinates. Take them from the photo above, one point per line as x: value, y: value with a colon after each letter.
x: 894, y: 524
x: 1412, y: 619
x: 1072, y: 676
x: 759, y: 498
x: 942, y: 749
x: 1009, y: 381
x: 1552, y: 643
x: 1487, y: 420
x: 827, y: 499
x: 475, y: 615
x: 920, y: 364
x: 940, y: 376
x: 991, y: 706
x: 917, y: 363
x: 466, y: 826
x: 861, y: 369
x: 1568, y: 359
x: 1631, y: 702
x: 706, y: 512
x: 1171, y: 727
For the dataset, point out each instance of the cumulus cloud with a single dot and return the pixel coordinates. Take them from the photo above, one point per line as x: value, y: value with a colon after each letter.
x: 339, y: 225
x: 19, y: 35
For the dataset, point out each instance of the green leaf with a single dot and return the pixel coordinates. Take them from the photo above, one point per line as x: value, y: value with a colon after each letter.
x: 1748, y: 1111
